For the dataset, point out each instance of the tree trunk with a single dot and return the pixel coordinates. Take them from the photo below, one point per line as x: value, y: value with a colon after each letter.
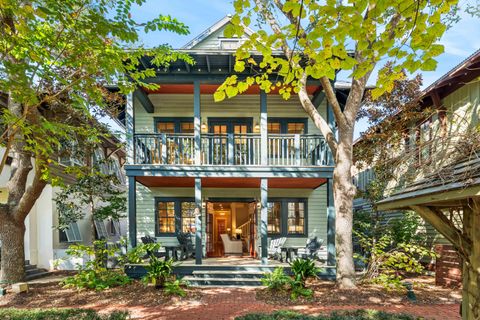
x: 471, y: 290
x: 344, y: 193
x: 13, y: 250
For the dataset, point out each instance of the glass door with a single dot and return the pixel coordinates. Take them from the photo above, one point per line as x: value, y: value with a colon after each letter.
x: 230, y: 136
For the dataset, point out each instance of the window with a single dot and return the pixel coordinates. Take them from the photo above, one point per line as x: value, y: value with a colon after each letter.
x: 166, y: 217
x: 296, y: 218
x: 287, y: 125
x: 287, y: 217
x: 424, y: 141
x: 188, y: 216
x: 101, y: 229
x: 71, y: 234
x: 175, y: 215
x: 174, y: 125
x: 274, y: 213
x: 99, y: 160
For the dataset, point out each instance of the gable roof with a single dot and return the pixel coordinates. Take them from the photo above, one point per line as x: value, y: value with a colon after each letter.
x: 211, y: 30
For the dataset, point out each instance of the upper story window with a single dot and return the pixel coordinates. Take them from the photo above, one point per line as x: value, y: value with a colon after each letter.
x: 69, y: 154
x: 174, y: 125
x: 287, y: 125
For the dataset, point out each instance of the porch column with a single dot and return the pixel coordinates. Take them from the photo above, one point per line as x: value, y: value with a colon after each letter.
x: 132, y: 211
x: 331, y: 252
x: 263, y: 129
x: 130, y: 129
x: 263, y: 219
x: 198, y: 221
x: 197, y: 121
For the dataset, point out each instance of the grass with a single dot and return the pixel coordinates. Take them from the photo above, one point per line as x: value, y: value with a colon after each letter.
x: 59, y: 314
x: 336, y: 315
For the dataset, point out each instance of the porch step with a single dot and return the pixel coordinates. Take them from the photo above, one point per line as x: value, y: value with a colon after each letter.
x: 213, y: 274
x: 225, y: 278
x: 32, y: 272
x: 223, y: 282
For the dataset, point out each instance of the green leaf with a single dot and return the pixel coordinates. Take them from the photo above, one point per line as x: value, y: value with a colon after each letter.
x: 219, y: 96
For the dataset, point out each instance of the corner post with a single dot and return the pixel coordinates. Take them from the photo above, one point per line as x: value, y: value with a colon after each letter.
x: 198, y: 221
x: 263, y: 129
x: 197, y: 121
x: 130, y: 129
x: 132, y: 211
x: 263, y: 219
x: 331, y: 251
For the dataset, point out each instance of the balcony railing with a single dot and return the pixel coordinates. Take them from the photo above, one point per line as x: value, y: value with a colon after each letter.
x: 231, y: 149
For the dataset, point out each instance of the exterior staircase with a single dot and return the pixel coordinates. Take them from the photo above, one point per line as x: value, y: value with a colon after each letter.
x: 225, y: 278
x: 32, y: 272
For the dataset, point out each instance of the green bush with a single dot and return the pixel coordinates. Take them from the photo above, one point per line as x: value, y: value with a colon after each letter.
x: 139, y: 253
x: 174, y: 288
x: 337, y: 315
x: 158, y: 272
x: 94, y: 274
x: 59, y: 314
x: 302, y: 269
x: 276, y: 280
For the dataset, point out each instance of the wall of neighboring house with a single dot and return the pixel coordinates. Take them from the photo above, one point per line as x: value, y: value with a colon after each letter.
x: 42, y: 240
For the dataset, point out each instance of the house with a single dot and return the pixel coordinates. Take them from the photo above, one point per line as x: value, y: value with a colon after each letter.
x: 45, y: 244
x: 254, y: 167
x: 437, y: 171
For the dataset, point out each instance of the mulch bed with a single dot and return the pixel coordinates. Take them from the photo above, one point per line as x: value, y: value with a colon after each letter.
x: 325, y: 293
x: 52, y: 295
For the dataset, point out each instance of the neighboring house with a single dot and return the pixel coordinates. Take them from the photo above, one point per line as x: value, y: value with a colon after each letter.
x: 45, y: 245
x: 254, y: 167
x: 437, y: 170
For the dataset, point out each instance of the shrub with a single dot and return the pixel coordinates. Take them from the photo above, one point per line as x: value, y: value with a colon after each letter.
x: 94, y: 274
x: 139, y: 253
x: 388, y: 249
x: 276, y: 280
x: 174, y: 288
x: 59, y: 314
x: 336, y: 315
x: 158, y: 272
x: 303, y: 269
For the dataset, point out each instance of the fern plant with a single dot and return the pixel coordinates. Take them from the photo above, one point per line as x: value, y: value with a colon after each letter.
x: 303, y: 269
x: 158, y: 272
x: 276, y: 280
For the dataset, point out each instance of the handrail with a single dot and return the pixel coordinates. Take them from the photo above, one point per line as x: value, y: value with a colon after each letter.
x: 230, y: 149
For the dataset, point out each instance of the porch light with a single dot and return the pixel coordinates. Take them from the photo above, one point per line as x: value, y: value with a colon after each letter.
x: 204, y: 126
x: 256, y: 128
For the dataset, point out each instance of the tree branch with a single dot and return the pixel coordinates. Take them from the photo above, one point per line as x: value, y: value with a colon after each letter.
x: 30, y: 196
x: 316, y: 116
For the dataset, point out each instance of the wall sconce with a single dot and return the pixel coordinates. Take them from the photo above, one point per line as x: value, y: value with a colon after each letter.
x: 204, y: 205
x: 256, y: 128
x: 204, y: 127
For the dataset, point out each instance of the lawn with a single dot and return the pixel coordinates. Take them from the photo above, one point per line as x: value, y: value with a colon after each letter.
x: 337, y: 315
x: 59, y: 314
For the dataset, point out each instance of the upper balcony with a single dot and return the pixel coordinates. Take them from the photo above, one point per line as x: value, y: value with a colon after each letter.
x: 298, y: 150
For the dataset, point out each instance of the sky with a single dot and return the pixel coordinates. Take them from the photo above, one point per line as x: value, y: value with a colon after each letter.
x: 460, y: 41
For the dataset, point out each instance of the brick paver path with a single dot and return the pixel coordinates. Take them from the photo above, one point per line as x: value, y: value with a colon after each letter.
x: 227, y: 303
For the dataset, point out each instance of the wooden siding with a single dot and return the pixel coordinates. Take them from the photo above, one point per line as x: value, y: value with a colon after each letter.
x: 181, y: 105
x: 317, y: 207
x: 212, y: 41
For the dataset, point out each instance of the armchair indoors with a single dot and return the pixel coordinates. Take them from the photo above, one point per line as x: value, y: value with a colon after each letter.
x: 231, y: 246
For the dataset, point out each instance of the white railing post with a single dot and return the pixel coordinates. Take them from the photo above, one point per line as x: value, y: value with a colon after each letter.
x: 296, y: 145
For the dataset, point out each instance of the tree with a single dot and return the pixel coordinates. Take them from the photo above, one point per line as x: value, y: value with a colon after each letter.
x: 317, y: 40
x: 95, y: 191
x: 55, y: 59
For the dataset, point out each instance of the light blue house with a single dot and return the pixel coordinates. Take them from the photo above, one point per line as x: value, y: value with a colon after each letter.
x: 254, y: 167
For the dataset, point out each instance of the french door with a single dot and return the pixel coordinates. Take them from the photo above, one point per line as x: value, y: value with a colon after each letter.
x: 229, y: 140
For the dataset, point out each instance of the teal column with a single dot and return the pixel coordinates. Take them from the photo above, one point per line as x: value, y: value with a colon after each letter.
x: 331, y: 252
x: 198, y: 221
x: 263, y: 129
x: 197, y: 121
x: 132, y: 211
x: 263, y: 219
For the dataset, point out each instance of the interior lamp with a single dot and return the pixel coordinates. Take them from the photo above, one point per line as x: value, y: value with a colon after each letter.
x: 238, y: 232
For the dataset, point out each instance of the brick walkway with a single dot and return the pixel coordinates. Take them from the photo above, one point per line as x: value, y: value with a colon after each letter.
x: 226, y: 303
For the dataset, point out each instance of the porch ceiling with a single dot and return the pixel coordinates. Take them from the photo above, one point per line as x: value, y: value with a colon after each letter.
x: 274, y: 183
